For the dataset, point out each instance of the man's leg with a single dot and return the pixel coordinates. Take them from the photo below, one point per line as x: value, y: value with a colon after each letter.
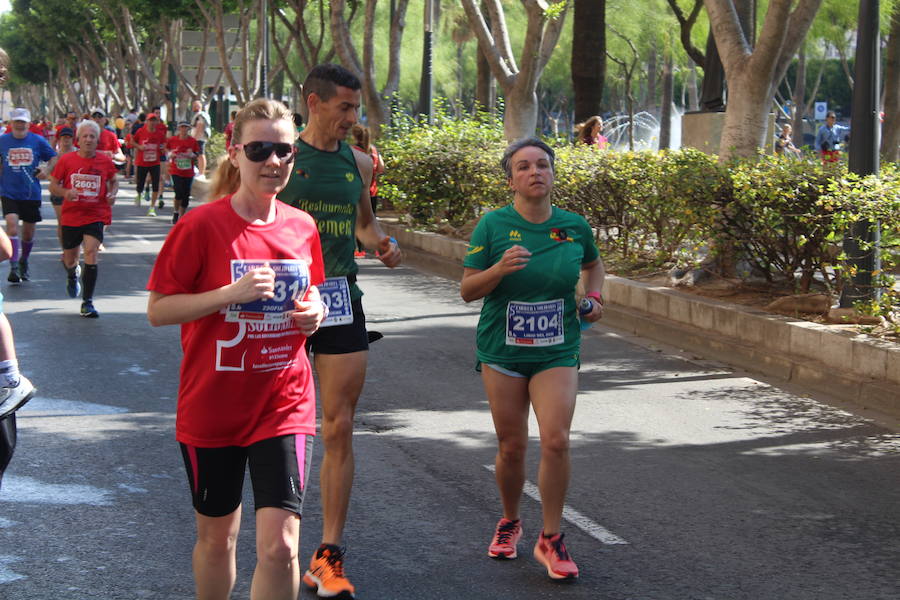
x: 341, y: 379
x: 12, y: 230
x: 89, y: 276
x: 28, y: 230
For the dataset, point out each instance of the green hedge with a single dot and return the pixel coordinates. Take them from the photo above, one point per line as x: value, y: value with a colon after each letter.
x: 653, y: 209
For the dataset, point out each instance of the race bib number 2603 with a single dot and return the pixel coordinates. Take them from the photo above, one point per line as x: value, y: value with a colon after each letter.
x: 291, y: 283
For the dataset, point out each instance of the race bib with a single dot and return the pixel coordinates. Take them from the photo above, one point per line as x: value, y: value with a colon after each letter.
x: 87, y: 186
x: 535, y: 323
x: 150, y: 155
x: 335, y: 294
x: 182, y: 162
x: 291, y: 283
x: 20, y: 157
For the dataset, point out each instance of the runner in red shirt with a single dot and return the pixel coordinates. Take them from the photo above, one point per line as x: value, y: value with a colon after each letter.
x: 109, y: 141
x: 149, y: 144
x: 239, y: 274
x: 86, y: 180
x: 183, y: 151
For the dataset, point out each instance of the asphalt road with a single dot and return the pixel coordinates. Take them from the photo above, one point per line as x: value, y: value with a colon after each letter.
x: 690, y: 480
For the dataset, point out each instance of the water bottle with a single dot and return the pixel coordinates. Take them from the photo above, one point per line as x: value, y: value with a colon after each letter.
x: 584, y: 307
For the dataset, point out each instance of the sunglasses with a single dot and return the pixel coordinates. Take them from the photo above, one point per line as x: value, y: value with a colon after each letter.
x: 261, y: 151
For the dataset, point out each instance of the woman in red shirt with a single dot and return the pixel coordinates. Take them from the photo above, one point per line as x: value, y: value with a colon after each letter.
x: 239, y: 274
x: 183, y: 151
x: 149, y: 142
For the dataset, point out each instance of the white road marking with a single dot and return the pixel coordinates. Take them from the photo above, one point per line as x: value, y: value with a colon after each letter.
x: 141, y: 239
x: 28, y: 490
x: 6, y: 574
x: 582, y: 522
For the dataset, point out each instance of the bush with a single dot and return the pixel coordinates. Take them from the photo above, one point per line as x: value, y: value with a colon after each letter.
x: 446, y: 172
x: 651, y: 208
x: 776, y: 218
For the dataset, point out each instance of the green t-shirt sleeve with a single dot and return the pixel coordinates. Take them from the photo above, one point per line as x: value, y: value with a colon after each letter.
x: 587, y: 241
x: 478, y: 253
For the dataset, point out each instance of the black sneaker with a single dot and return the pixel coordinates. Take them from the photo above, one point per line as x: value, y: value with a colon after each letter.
x: 14, y: 273
x: 174, y: 218
x: 14, y: 398
x: 161, y: 203
x: 88, y: 311
x: 23, y: 270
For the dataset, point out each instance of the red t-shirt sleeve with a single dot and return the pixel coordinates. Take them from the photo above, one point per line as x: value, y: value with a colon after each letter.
x: 179, y: 261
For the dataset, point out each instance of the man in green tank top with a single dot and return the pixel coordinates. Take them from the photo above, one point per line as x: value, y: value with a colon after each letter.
x: 331, y: 181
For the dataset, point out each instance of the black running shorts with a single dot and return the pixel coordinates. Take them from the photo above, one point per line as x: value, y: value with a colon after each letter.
x: 342, y: 339
x: 279, y: 470
x: 73, y: 236
x: 29, y: 211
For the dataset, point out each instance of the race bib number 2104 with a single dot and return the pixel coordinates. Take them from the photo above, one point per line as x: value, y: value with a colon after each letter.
x: 535, y: 323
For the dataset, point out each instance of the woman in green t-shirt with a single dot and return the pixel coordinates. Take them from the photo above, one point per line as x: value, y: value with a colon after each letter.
x: 525, y: 260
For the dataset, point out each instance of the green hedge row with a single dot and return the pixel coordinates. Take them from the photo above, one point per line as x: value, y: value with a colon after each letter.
x: 783, y: 216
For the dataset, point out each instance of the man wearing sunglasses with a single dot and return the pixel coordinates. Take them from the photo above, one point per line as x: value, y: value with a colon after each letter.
x: 330, y: 180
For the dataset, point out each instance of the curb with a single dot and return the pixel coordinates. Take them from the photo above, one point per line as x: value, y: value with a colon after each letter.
x: 849, y: 366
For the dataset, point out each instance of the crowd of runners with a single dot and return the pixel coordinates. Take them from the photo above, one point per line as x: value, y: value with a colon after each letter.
x: 270, y: 262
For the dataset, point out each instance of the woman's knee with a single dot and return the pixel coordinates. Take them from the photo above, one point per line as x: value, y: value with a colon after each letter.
x: 512, y: 449
x: 555, y: 443
x: 278, y: 551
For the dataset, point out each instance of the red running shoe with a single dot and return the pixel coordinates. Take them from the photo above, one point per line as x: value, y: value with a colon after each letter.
x: 551, y: 552
x: 505, y: 539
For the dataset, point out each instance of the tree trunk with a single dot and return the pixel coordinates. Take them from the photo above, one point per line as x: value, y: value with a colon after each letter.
x: 890, y: 135
x: 799, y: 98
x: 693, y: 95
x: 485, y: 90
x: 753, y: 73
x: 665, y: 118
x: 588, y: 57
x: 648, y: 99
x: 519, y: 84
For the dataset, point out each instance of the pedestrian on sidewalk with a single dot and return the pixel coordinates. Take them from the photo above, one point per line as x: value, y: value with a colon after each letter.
x: 525, y: 260
x: 201, y: 131
x: 239, y: 275
x: 87, y: 181
x: 331, y: 181
x: 20, y: 190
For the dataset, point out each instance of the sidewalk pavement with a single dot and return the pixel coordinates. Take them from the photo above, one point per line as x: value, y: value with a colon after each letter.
x: 830, y: 359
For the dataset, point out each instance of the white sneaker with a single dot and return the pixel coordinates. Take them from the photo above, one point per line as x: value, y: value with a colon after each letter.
x: 14, y: 398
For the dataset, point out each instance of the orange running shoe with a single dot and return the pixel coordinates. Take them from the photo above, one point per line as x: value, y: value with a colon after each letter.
x: 506, y: 536
x: 326, y: 574
x: 551, y: 552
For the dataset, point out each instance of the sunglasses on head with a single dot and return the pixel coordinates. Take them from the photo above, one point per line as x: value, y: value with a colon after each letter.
x: 260, y: 151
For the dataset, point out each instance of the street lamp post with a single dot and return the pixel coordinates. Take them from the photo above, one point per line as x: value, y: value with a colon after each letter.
x: 861, y: 244
x: 264, y: 75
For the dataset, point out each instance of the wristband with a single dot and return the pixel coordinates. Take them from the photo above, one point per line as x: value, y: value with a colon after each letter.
x: 596, y: 296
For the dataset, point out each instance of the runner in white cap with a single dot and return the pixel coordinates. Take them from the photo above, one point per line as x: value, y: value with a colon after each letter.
x: 20, y: 190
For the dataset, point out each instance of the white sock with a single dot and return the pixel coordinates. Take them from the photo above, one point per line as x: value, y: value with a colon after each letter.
x: 9, y: 373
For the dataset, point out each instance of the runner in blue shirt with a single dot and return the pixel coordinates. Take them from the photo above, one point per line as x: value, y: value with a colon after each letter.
x: 21, y: 152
